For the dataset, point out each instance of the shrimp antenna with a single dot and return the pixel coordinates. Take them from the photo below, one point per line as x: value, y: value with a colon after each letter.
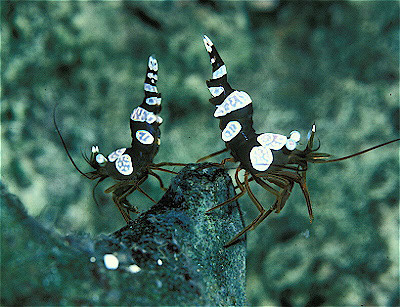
x: 65, y: 146
x: 94, y: 194
x: 356, y: 154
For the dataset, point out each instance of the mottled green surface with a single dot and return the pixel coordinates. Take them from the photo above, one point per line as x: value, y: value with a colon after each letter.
x: 177, y: 247
x: 335, y: 63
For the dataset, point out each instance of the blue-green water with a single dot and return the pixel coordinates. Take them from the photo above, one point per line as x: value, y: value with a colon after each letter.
x: 332, y: 63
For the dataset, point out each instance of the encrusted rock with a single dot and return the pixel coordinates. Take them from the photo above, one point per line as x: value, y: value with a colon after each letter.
x: 172, y: 254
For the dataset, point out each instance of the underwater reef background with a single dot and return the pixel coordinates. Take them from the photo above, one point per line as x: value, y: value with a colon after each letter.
x: 332, y: 63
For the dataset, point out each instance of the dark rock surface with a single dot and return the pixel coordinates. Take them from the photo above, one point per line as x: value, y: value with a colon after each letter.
x: 172, y: 255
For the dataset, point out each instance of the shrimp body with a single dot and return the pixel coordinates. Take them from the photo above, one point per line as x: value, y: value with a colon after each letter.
x: 257, y: 153
x: 270, y: 159
x: 266, y: 158
x: 131, y: 163
x: 130, y: 167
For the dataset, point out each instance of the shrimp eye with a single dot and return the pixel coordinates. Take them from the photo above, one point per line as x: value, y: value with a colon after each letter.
x: 295, y: 135
x: 101, y: 159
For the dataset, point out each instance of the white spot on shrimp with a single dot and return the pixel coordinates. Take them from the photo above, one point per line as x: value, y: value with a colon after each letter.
x: 233, y: 102
x: 124, y: 165
x: 133, y: 268
x: 144, y: 137
x: 295, y: 135
x: 153, y: 65
x: 219, y: 72
x: 313, y: 129
x: 151, y: 101
x: 231, y: 130
x: 92, y: 259
x: 151, y: 118
x: 142, y: 115
x: 290, y: 144
x: 95, y: 149
x: 159, y: 262
x: 116, y: 154
x: 207, y: 43
x: 111, y: 262
x: 101, y: 159
x: 216, y: 91
x: 261, y: 158
x: 152, y: 77
x: 150, y: 88
x: 159, y: 119
x: 272, y: 140
x: 294, y: 138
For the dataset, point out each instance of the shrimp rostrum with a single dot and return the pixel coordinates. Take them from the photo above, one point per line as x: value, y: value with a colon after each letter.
x: 271, y: 160
x: 130, y: 167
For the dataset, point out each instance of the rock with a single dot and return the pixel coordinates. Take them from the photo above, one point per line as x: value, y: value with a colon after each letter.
x: 172, y: 254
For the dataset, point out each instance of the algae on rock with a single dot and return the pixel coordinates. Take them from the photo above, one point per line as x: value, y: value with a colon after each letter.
x: 172, y: 254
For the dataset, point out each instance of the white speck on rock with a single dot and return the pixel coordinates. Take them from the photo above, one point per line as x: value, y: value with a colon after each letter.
x: 159, y: 262
x: 133, y: 268
x: 306, y: 233
x: 111, y: 262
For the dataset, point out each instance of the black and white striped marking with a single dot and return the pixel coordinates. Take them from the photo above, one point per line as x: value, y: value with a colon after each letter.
x: 219, y: 72
x: 152, y: 98
x: 236, y: 100
x: 261, y: 157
